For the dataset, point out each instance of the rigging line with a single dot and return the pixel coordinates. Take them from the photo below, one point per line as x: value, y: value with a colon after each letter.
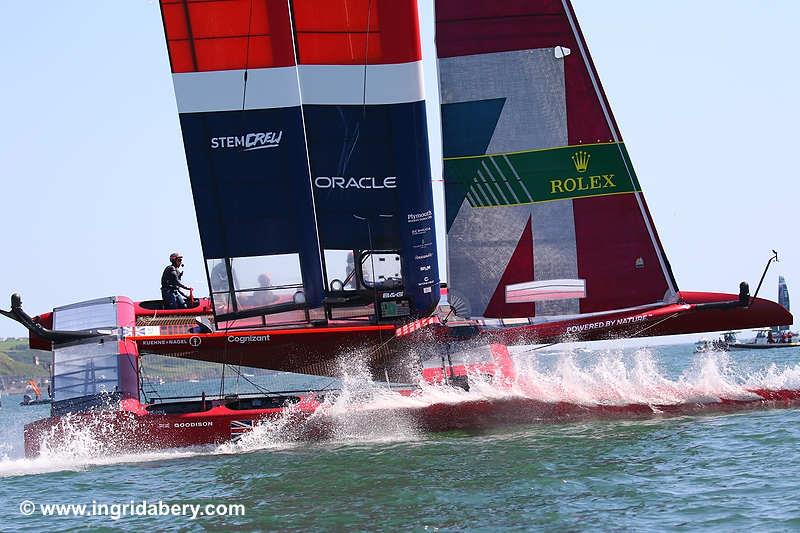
x: 190, y: 33
x: 296, y: 53
x: 256, y: 385
x: 141, y: 377
x: 366, y: 59
x: 372, y: 265
x: 247, y: 53
x: 224, y: 359
x: 345, y: 162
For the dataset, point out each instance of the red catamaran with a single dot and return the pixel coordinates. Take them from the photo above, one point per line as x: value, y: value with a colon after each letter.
x: 306, y: 139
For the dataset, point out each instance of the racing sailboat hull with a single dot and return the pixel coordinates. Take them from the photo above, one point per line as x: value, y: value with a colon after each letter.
x: 133, y: 429
x: 315, y: 350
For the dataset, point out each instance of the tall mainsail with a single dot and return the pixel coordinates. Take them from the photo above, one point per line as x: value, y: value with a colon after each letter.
x: 545, y: 215
x: 783, y: 300
x: 236, y: 83
x: 306, y: 138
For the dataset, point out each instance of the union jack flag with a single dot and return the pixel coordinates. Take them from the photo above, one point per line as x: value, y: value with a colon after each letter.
x: 239, y: 428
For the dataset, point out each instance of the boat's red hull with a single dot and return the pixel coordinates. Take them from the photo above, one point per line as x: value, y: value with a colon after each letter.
x: 132, y: 429
x: 314, y: 350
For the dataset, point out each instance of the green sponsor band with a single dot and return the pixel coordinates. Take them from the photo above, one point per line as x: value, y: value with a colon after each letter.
x: 542, y: 175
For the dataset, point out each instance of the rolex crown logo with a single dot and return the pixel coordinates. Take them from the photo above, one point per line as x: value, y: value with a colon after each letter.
x: 581, y: 160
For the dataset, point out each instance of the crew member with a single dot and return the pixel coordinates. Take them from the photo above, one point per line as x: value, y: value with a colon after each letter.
x: 264, y: 296
x: 171, y: 283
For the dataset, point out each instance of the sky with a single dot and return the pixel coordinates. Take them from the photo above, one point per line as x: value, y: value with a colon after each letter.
x: 96, y: 193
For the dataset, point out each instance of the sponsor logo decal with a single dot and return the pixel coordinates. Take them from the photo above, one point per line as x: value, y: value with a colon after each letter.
x: 582, y: 183
x: 195, y: 341
x: 366, y: 182
x: 581, y: 160
x: 542, y: 175
x: 248, y: 141
x: 398, y: 294
x: 246, y: 339
x: 420, y: 217
x: 201, y: 424
x: 162, y: 342
x: 578, y: 328
x: 423, y: 256
x: 421, y: 231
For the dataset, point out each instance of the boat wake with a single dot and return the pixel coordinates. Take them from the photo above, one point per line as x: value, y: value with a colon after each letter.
x: 556, y: 387
x: 560, y: 387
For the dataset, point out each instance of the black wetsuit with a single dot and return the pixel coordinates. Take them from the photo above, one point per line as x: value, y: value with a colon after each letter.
x: 170, y: 282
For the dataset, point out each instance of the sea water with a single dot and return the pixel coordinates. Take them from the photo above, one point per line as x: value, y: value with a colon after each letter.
x: 378, y: 472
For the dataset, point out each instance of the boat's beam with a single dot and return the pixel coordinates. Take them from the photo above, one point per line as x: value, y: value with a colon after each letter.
x: 743, y: 301
x: 18, y: 315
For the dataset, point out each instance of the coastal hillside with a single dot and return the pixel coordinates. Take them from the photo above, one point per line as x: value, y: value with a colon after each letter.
x: 18, y: 361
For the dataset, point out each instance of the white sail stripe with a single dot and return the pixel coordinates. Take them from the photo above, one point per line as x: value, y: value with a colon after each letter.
x: 477, y: 187
x: 516, y: 175
x: 505, y: 179
x: 222, y: 90
x: 344, y: 84
x: 560, y: 318
x: 615, y: 136
x: 546, y: 290
x: 268, y: 88
x: 489, y: 188
x: 495, y: 182
x: 471, y: 199
x: 488, y: 201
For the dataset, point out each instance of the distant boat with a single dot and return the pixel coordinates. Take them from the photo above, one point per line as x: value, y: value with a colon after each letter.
x: 28, y: 400
x: 719, y: 344
x: 33, y: 388
x: 765, y: 339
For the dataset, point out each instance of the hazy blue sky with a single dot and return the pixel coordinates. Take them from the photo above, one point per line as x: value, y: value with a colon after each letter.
x: 96, y: 193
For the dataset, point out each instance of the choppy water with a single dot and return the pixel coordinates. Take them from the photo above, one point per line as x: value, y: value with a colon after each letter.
x: 714, y: 471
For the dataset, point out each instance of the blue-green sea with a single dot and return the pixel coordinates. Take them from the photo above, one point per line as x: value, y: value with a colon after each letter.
x: 709, y: 471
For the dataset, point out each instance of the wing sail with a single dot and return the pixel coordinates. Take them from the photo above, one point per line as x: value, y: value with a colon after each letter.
x: 539, y: 186
x: 236, y: 83
x: 306, y: 139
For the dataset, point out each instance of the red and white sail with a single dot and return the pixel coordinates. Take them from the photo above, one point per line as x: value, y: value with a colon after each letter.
x: 545, y: 216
